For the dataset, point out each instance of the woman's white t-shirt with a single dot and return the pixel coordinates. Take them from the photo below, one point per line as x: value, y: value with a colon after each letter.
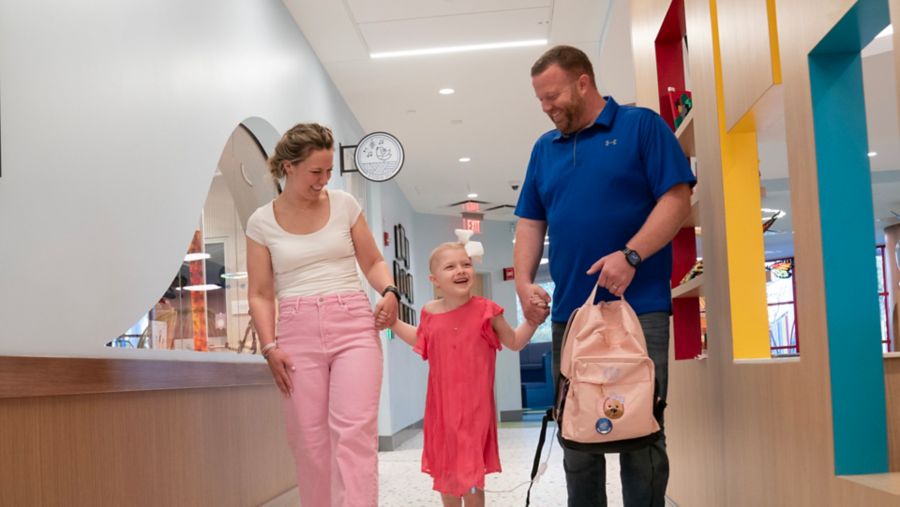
x: 319, y: 263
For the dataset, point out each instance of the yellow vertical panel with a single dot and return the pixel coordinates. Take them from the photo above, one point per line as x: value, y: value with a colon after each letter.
x: 746, y: 258
x: 743, y: 229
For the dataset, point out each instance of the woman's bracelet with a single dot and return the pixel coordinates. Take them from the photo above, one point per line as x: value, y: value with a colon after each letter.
x: 267, y: 348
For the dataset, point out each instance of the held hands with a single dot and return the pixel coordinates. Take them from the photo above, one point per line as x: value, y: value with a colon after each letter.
x: 386, y: 311
x: 281, y: 366
x: 615, y: 273
x: 535, y: 303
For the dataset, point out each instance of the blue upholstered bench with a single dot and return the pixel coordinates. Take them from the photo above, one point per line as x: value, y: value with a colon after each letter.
x: 535, y: 366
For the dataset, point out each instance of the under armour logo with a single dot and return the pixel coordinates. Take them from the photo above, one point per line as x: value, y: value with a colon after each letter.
x: 611, y: 142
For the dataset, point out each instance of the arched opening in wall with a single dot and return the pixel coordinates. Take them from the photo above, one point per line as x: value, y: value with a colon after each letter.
x: 205, y: 308
x: 846, y: 170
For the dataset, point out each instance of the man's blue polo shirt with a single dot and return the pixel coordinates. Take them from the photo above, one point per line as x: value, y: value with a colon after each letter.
x: 595, y: 189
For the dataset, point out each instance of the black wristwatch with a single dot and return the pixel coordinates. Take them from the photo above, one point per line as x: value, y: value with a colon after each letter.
x: 633, y: 258
x: 393, y: 289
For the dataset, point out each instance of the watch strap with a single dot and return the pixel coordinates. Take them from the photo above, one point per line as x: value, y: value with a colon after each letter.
x: 393, y: 289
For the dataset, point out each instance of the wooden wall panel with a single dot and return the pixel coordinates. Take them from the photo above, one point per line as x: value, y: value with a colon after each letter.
x: 892, y: 395
x: 20, y: 464
x: 746, y: 55
x: 223, y: 447
x: 694, y: 429
x: 22, y: 377
x: 696, y: 433
x: 760, y: 433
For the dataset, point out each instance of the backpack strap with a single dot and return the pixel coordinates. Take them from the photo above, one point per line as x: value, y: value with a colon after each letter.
x: 558, y: 381
x: 537, y: 453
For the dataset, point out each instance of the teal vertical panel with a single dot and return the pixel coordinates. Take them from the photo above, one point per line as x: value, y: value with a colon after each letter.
x: 845, y: 198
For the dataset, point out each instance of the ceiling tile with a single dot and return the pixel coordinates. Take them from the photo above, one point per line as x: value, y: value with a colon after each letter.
x: 457, y: 30
x: 371, y: 11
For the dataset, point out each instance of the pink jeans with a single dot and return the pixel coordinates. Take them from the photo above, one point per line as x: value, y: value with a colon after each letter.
x: 332, y: 416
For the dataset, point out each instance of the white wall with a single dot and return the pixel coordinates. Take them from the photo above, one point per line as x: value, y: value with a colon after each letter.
x: 114, y: 115
x: 405, y: 373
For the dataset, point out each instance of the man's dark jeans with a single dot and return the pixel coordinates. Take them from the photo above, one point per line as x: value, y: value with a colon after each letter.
x: 644, y: 472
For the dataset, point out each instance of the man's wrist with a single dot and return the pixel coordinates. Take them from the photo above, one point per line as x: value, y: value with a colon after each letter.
x: 633, y: 258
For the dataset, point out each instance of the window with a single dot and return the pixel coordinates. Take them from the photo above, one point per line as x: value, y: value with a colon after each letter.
x: 783, y: 340
x: 883, y: 299
x: 544, y: 333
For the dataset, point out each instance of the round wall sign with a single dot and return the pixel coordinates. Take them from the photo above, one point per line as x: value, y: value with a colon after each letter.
x: 379, y: 156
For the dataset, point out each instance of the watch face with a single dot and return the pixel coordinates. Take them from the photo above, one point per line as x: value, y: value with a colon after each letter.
x: 379, y: 156
x: 633, y: 258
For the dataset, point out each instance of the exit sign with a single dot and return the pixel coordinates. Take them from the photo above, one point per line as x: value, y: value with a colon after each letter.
x: 472, y: 224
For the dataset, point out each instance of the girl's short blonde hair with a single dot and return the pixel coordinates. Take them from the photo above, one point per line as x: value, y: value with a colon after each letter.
x: 297, y: 144
x: 443, y: 247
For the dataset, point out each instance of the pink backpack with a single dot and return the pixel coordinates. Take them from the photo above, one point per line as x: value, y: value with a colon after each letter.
x: 607, y: 391
x: 606, y: 400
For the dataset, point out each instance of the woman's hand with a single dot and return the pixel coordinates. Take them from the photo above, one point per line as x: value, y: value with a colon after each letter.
x: 282, y: 366
x: 386, y: 311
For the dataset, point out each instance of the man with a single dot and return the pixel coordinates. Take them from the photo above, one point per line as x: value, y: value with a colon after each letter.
x: 614, y: 187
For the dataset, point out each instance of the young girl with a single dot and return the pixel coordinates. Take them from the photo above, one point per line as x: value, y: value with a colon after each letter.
x: 459, y: 335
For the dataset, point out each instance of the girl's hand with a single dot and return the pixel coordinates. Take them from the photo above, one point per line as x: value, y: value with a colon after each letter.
x: 282, y: 366
x: 386, y: 311
x: 538, y: 300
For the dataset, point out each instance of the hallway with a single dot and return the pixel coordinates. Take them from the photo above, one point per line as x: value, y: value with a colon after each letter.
x: 404, y: 485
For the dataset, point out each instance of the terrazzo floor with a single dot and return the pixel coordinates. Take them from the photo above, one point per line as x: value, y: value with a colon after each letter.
x: 402, y: 484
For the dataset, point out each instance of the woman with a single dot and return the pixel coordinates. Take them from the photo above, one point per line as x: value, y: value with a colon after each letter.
x: 303, y: 248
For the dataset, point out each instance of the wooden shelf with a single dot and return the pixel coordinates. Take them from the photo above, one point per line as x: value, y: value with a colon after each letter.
x: 690, y: 289
x: 685, y: 134
x: 693, y: 220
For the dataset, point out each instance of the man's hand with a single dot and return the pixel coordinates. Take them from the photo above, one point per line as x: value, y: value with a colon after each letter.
x: 615, y: 273
x: 535, y: 303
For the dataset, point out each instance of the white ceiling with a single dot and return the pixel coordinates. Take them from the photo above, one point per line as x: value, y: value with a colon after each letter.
x: 493, y: 117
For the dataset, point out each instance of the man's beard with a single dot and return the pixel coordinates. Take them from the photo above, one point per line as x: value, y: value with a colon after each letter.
x: 571, y: 115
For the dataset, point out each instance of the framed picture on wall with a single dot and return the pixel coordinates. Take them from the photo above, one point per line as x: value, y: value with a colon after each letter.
x: 405, y: 252
x: 409, y: 287
x: 396, y: 273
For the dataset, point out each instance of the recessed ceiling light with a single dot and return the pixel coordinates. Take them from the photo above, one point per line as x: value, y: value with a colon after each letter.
x: 465, y: 159
x: 199, y: 288
x: 459, y: 49
x: 191, y: 257
x: 873, y: 153
x: 473, y: 195
x: 545, y: 261
x: 446, y: 91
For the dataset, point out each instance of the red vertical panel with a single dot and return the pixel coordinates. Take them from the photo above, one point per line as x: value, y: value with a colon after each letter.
x: 670, y: 57
x: 684, y: 254
x: 686, y: 327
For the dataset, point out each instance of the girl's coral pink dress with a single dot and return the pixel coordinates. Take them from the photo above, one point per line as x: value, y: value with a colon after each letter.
x: 460, y: 416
